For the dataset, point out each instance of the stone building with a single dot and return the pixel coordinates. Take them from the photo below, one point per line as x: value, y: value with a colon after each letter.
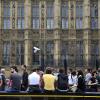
x: 65, y: 31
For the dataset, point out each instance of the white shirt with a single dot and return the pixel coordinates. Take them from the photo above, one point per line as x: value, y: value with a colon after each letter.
x: 70, y: 81
x: 75, y: 80
x: 88, y: 77
x: 34, y: 79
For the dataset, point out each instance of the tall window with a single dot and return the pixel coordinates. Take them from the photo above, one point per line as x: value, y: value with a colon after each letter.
x: 50, y: 15
x: 35, y: 56
x: 94, y: 52
x: 35, y: 14
x: 20, y: 15
x: 6, y: 15
x: 79, y: 53
x: 94, y: 14
x: 50, y: 53
x: 64, y: 52
x: 19, y: 53
x: 6, y: 53
x: 79, y: 14
x: 64, y: 15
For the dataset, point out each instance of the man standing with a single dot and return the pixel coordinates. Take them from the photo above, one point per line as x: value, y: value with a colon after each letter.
x: 24, y: 85
x: 15, y: 80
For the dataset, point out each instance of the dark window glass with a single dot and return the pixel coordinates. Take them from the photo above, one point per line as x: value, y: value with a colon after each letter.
x: 20, y: 15
x: 6, y: 53
x: 64, y: 15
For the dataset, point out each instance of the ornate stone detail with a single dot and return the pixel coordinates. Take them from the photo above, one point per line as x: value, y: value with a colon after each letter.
x: 42, y: 16
x: 72, y: 14
x: 42, y: 19
x: 20, y: 34
x: 13, y: 14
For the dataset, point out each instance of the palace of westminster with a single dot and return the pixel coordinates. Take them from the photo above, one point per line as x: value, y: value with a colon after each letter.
x: 62, y: 29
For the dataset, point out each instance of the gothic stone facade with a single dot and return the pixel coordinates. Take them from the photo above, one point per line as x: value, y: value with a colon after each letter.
x: 64, y: 30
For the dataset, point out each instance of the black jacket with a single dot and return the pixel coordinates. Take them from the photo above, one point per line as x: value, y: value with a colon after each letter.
x: 62, y: 82
x: 25, y: 79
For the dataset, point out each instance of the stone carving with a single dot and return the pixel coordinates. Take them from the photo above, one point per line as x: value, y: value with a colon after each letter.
x: 13, y: 14
x: 72, y: 15
x: 42, y: 20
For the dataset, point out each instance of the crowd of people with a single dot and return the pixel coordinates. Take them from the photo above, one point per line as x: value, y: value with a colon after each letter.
x: 49, y: 81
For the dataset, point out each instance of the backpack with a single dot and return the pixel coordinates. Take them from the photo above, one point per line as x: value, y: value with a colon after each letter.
x: 62, y: 82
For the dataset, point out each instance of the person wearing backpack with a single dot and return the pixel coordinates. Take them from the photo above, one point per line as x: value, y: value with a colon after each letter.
x: 62, y: 82
x: 2, y: 80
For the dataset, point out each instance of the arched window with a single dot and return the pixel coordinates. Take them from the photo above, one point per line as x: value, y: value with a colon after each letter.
x: 50, y: 14
x: 20, y: 53
x: 35, y: 56
x: 79, y: 14
x: 6, y: 52
x: 64, y: 52
x: 79, y: 53
x: 50, y: 53
x: 20, y: 15
x: 35, y: 14
x: 6, y: 14
x: 64, y: 14
x: 94, y: 14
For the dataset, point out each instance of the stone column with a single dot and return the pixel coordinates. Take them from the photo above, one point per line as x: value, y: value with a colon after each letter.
x: 86, y: 26
x: 57, y: 33
x: 0, y: 15
x: 99, y: 26
x: 27, y: 37
x: 0, y: 32
x: 42, y: 30
x: 13, y: 33
x: 15, y: 15
x: 11, y: 13
x: 72, y: 33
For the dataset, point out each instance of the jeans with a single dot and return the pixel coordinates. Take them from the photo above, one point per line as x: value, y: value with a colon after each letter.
x: 12, y: 90
x: 34, y: 89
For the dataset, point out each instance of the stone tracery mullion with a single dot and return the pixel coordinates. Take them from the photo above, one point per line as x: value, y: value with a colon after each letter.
x: 13, y: 14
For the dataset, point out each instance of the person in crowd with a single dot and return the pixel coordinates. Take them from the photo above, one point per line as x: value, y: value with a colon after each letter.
x: 88, y: 76
x: 2, y: 80
x: 98, y: 75
x: 70, y: 81
x: 15, y: 80
x: 93, y: 82
x: 62, y: 81
x: 49, y: 81
x: 81, y: 82
x: 98, y: 79
x: 34, y: 82
x: 40, y: 72
x: 55, y: 72
x: 74, y: 78
x: 24, y: 85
